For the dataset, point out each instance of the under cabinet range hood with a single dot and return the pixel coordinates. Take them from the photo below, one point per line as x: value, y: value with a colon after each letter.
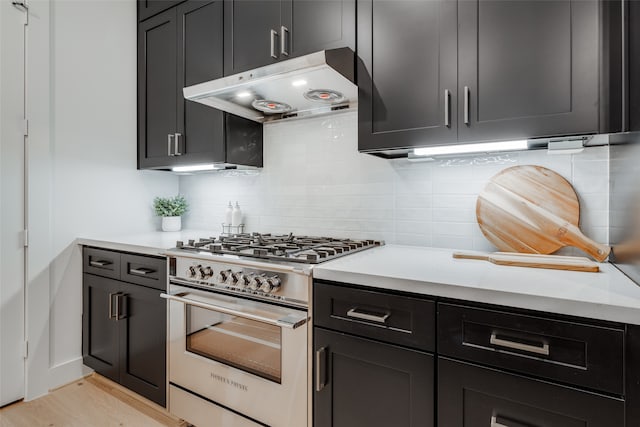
x: 318, y: 83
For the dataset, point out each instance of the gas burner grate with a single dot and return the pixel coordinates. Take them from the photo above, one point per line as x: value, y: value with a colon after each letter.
x: 279, y: 247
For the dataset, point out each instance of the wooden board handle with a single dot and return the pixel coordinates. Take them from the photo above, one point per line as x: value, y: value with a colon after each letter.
x: 574, y: 237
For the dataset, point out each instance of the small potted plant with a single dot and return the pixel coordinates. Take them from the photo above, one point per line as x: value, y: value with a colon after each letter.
x: 170, y: 209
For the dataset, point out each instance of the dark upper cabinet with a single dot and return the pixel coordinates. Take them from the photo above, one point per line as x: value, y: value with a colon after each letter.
x: 634, y: 65
x: 435, y: 73
x: 368, y: 383
x: 180, y: 47
x: 472, y: 396
x: 148, y: 8
x: 259, y: 33
x: 527, y: 68
x: 407, y: 83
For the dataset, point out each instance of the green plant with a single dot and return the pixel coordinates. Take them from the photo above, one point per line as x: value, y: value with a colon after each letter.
x: 170, y: 206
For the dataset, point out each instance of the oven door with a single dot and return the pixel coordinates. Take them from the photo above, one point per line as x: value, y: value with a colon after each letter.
x: 245, y: 355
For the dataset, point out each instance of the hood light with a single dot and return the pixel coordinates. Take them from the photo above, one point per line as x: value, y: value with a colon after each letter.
x: 298, y: 83
x: 471, y: 148
x: 197, y: 168
x: 243, y: 94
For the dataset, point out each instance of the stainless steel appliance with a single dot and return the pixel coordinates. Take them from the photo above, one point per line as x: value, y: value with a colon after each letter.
x: 239, y: 328
x: 318, y: 83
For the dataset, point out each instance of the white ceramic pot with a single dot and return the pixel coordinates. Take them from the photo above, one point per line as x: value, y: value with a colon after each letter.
x: 171, y: 223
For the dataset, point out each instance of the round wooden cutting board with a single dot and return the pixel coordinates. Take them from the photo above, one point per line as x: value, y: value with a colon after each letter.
x: 532, y: 209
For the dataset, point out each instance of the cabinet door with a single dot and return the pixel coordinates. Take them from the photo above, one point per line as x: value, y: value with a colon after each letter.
x: 248, y: 39
x: 634, y: 65
x: 370, y: 384
x: 157, y: 89
x: 472, y: 396
x: 527, y: 68
x: 407, y: 75
x: 201, y: 128
x: 99, y: 326
x: 143, y: 332
x: 148, y: 8
x: 312, y: 26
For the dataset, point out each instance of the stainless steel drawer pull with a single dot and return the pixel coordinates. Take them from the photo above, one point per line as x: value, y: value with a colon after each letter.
x: 141, y: 271
x: 111, y: 316
x: 382, y: 318
x: 495, y: 423
x: 321, y: 369
x: 119, y: 315
x: 498, y: 421
x: 447, y: 108
x: 544, y: 349
x: 274, y: 34
x: 100, y: 263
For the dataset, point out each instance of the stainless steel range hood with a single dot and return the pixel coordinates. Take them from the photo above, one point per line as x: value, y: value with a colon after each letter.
x: 318, y: 83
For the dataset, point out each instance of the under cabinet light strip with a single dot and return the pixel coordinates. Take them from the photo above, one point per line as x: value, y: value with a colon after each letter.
x: 196, y: 168
x: 471, y: 148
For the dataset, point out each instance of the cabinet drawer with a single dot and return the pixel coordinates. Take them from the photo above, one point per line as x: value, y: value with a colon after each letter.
x: 392, y: 318
x: 144, y: 270
x: 101, y: 262
x: 470, y: 395
x: 573, y: 353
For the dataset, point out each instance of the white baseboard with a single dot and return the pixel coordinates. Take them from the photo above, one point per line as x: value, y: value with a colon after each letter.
x: 67, y: 372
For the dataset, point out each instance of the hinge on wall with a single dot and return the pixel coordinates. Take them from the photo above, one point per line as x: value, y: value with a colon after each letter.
x: 25, y: 238
x: 25, y: 349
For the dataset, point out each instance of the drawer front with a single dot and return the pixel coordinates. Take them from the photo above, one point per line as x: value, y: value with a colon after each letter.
x: 144, y: 270
x: 395, y: 319
x: 573, y: 353
x: 470, y: 396
x: 101, y: 262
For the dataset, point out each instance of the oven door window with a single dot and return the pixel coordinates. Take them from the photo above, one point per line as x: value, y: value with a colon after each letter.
x: 252, y: 346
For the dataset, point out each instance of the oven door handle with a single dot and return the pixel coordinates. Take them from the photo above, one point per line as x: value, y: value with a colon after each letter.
x: 291, y: 321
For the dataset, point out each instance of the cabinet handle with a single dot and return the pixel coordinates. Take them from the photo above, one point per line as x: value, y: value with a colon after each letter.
x: 177, y: 151
x: 447, y: 108
x: 274, y: 34
x: 321, y: 369
x: 498, y: 421
x: 119, y: 315
x: 169, y: 136
x: 141, y: 271
x: 382, y: 318
x: 284, y: 38
x: 111, y: 316
x: 544, y: 350
x: 466, y: 105
x: 99, y: 263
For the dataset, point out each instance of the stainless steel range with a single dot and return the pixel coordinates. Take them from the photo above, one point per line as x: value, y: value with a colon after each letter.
x: 239, y: 327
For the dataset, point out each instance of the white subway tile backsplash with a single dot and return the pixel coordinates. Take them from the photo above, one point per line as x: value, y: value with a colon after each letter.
x: 314, y: 181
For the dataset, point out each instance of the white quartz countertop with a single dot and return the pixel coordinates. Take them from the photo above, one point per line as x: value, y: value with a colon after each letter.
x: 153, y: 243
x: 607, y: 295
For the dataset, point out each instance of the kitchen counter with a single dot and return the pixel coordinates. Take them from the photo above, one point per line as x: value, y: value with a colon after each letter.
x: 154, y: 243
x: 607, y: 295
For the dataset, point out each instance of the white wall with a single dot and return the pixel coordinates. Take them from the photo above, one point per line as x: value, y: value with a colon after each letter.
x: 314, y: 181
x: 94, y: 187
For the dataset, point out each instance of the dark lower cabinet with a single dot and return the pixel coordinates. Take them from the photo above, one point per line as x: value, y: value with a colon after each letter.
x: 124, y: 324
x: 364, y: 383
x: 473, y: 396
x: 148, y: 8
x: 634, y: 64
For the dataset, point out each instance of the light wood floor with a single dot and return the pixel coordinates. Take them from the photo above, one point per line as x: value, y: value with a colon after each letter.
x: 90, y: 402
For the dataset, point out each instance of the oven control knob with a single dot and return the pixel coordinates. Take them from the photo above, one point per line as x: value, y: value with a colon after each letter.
x: 256, y: 282
x: 244, y: 279
x: 232, y: 278
x: 222, y: 276
x: 192, y: 271
x: 270, y: 284
x: 205, y: 273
